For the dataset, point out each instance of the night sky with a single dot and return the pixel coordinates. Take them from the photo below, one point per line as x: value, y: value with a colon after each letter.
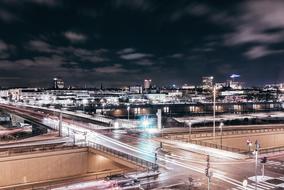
x: 121, y: 42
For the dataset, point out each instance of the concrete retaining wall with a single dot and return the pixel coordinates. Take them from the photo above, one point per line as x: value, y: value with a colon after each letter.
x: 44, y: 166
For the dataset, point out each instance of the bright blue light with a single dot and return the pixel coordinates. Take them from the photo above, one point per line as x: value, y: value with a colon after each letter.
x: 235, y: 76
x: 146, y: 122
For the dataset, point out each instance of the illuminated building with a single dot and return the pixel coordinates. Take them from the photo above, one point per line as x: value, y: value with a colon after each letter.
x: 207, y: 82
x: 58, y: 83
x: 147, y: 84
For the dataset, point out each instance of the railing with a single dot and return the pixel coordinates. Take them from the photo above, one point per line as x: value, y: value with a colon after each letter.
x: 34, y: 149
x: 238, y: 132
x: 124, y: 156
x: 224, y: 133
x: 186, y: 138
x: 218, y: 146
x: 271, y: 150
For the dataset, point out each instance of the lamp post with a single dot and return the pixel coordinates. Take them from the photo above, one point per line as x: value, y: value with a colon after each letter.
x: 60, y: 124
x: 128, y: 109
x: 257, y: 145
x: 221, y: 131
x: 103, y: 108
x: 189, y: 131
x: 214, y: 111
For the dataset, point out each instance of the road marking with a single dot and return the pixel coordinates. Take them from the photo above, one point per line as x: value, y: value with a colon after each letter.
x: 269, y: 184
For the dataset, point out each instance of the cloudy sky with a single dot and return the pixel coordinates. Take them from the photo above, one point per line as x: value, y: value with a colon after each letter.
x: 121, y: 42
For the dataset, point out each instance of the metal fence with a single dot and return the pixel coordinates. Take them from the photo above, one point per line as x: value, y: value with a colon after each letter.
x: 237, y: 132
x: 124, y: 156
x: 218, y: 146
x: 224, y: 133
x: 271, y: 150
x: 34, y: 149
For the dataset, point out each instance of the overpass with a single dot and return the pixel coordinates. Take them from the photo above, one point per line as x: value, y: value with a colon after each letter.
x: 84, y: 135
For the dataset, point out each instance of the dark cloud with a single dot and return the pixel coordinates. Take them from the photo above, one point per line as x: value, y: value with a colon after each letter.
x: 126, y: 50
x: 123, y: 41
x: 135, y: 56
x: 75, y: 37
x: 7, y: 16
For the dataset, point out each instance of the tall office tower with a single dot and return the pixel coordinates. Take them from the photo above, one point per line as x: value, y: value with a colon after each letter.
x: 147, y: 84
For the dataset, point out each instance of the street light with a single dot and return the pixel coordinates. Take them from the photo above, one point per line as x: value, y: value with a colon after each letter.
x: 221, y: 131
x: 103, y: 104
x: 214, y: 111
x: 257, y: 146
x: 128, y: 109
x: 189, y: 130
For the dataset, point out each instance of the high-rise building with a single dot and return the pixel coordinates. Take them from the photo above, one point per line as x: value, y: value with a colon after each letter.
x: 147, y: 84
x: 58, y: 83
x: 207, y: 82
x: 135, y: 89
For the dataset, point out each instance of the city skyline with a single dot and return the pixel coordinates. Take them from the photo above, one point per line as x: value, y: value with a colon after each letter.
x: 122, y: 42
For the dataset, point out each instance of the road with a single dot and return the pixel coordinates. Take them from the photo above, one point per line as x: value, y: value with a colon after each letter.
x: 176, y: 164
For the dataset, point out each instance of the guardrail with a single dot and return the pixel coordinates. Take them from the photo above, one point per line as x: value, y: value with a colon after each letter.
x: 271, y: 150
x: 124, y: 156
x: 218, y: 146
x: 224, y: 133
x: 34, y: 149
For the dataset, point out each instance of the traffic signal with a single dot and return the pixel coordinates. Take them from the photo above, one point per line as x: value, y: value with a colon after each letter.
x: 263, y: 160
x: 207, y: 171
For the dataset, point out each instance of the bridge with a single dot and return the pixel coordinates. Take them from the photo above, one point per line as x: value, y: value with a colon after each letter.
x: 84, y: 135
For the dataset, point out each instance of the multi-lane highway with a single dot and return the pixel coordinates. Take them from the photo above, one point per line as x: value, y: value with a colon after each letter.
x: 177, y: 164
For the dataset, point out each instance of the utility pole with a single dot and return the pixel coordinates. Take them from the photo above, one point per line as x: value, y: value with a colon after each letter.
x: 221, y: 131
x: 60, y: 125
x: 189, y: 131
x: 128, y: 110
x: 214, y: 111
x: 257, y: 146
x: 208, y: 172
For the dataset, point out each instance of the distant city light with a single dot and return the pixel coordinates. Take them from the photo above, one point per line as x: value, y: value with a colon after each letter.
x: 235, y: 76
